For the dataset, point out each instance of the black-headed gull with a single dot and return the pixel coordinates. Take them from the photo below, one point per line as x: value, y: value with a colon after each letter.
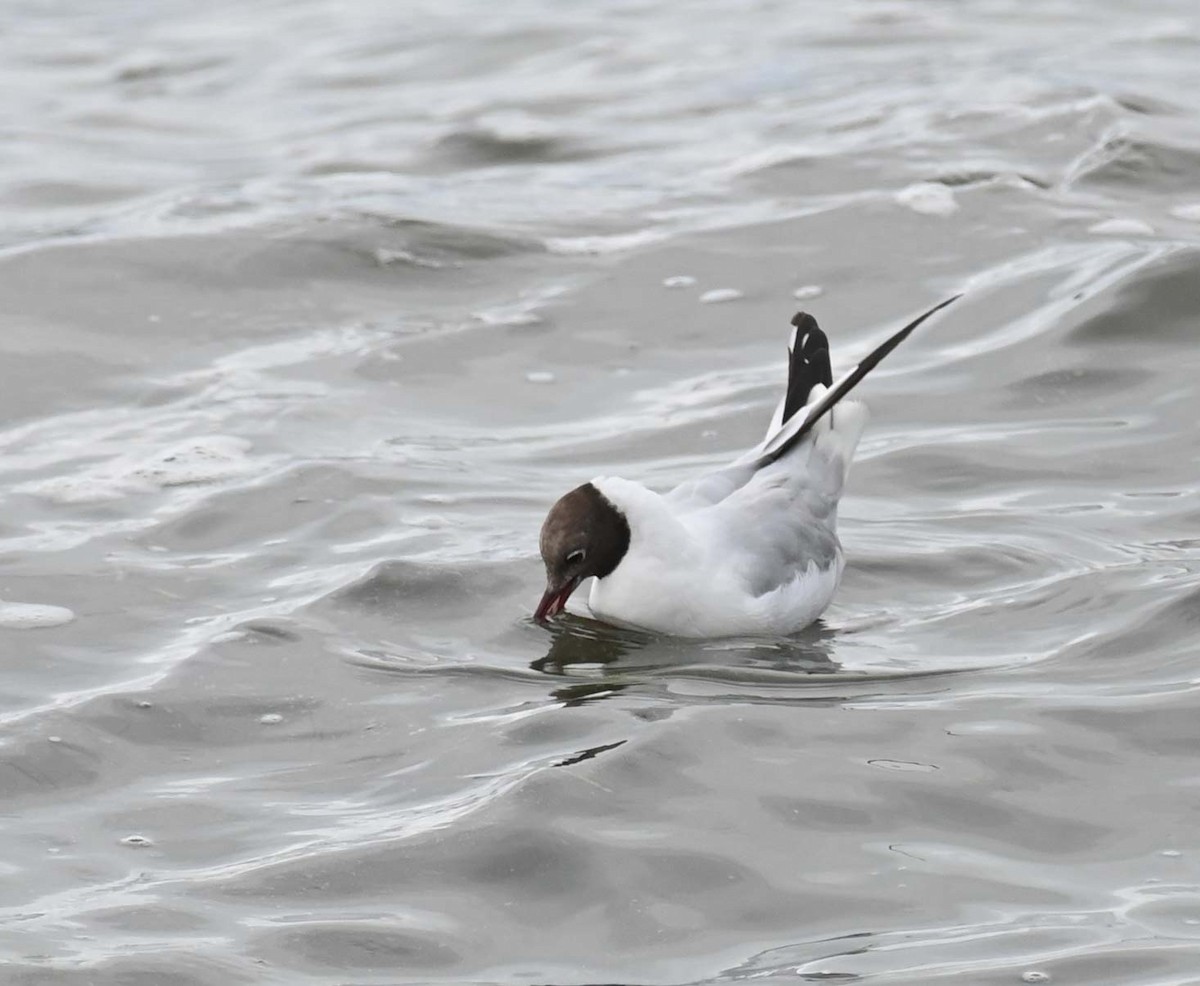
x: 748, y: 549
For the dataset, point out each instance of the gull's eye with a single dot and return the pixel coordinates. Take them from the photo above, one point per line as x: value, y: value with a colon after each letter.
x: 576, y: 555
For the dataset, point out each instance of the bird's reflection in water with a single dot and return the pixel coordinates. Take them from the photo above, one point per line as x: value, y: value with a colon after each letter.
x: 576, y: 641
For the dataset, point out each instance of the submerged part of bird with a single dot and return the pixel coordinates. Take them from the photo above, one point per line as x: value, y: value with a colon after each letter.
x: 750, y: 548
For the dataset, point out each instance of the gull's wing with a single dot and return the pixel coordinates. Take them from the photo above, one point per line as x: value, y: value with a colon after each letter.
x: 808, y: 377
x: 775, y: 526
x: 794, y: 429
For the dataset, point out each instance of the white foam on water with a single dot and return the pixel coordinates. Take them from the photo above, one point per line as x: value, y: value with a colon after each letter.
x: 808, y: 291
x: 525, y: 310
x: 207, y: 459
x: 1122, y: 227
x: 32, y: 616
x: 679, y: 281
x: 516, y: 126
x: 1189, y: 211
x: 610, y: 243
x: 196, y: 461
x: 508, y: 315
x: 385, y: 258
x: 540, y: 376
x: 930, y: 198
x: 1169, y: 29
x: 718, y: 295
x: 768, y: 157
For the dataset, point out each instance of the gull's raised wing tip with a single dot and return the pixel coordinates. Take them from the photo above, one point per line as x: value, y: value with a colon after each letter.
x: 784, y: 439
x: 882, y: 350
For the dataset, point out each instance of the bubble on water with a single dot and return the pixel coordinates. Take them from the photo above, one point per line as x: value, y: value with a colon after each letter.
x: 1035, y: 976
x: 137, y: 841
x: 992, y: 727
x: 540, y: 376
x: 717, y: 295
x: 679, y: 281
x: 930, y: 198
x: 32, y: 616
x: 145, y: 705
x: 808, y: 291
x: 1122, y: 227
x: 271, y: 719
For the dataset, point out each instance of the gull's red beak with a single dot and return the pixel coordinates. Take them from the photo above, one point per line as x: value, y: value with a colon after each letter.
x: 554, y: 600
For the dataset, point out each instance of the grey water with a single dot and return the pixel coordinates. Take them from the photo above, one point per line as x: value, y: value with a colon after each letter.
x: 310, y: 310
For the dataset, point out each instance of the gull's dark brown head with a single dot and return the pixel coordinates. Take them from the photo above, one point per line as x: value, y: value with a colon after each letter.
x: 583, y: 535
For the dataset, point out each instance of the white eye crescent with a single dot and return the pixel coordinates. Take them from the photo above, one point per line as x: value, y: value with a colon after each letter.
x: 576, y: 555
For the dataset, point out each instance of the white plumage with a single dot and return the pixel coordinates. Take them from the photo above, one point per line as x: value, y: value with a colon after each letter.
x: 747, y: 549
x: 763, y: 559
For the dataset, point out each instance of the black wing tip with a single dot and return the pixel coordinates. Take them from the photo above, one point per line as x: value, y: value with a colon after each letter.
x: 881, y: 351
x: 932, y: 311
x: 938, y: 307
x: 942, y: 304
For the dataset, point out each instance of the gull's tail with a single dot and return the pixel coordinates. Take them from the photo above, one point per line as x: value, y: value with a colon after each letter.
x: 808, y: 365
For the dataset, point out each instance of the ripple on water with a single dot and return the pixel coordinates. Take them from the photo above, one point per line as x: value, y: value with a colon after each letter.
x: 1067, y: 384
x: 402, y: 588
x: 485, y: 147
x: 1143, y: 162
x: 367, y: 945
x: 1155, y: 306
x: 312, y: 683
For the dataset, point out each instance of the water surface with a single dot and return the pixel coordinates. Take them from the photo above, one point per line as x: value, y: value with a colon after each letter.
x: 311, y: 310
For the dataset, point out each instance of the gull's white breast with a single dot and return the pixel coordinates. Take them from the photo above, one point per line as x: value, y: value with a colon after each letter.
x: 690, y: 574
